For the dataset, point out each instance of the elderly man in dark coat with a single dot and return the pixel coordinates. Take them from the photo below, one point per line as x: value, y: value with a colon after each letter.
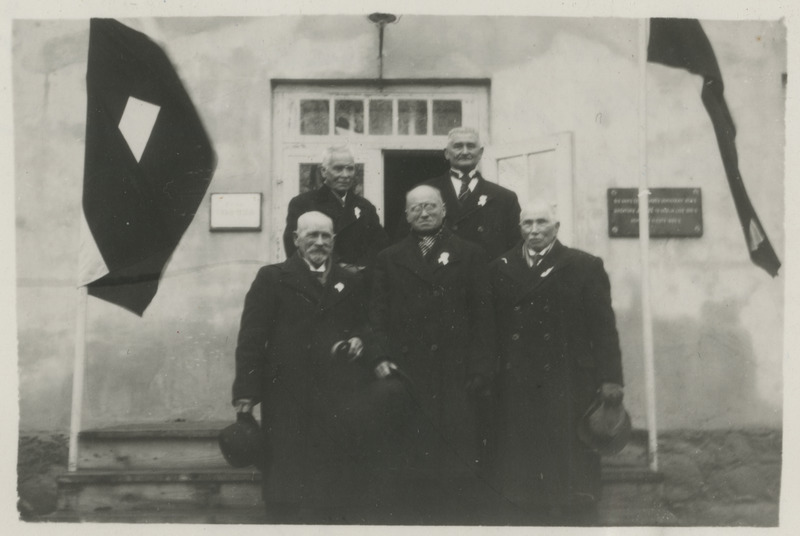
x: 477, y: 210
x: 294, y: 315
x: 431, y: 303
x: 359, y: 234
x: 559, y: 349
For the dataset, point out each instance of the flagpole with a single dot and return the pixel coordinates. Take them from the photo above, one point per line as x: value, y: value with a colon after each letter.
x: 77, y: 378
x: 644, y: 244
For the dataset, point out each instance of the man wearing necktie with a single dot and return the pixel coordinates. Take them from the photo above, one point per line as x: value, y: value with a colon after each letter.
x: 559, y: 349
x: 432, y: 306
x: 299, y: 354
x: 477, y: 210
x: 359, y: 234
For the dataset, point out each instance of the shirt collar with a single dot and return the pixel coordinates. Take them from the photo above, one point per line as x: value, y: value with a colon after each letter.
x: 322, y: 267
x: 542, y: 253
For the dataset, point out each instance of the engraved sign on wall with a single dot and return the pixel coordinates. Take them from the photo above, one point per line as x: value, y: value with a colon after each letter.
x: 674, y: 212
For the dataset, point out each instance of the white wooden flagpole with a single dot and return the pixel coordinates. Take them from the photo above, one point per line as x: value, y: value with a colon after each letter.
x: 77, y: 378
x: 644, y: 243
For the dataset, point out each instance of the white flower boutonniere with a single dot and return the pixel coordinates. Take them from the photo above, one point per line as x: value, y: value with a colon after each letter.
x: 339, y: 286
x: 357, y: 212
x: 546, y: 272
x: 481, y: 200
x: 444, y: 258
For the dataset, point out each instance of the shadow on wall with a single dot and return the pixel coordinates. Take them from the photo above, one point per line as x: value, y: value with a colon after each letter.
x: 705, y: 368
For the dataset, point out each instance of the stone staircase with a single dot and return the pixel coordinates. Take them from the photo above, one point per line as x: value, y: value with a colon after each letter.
x: 174, y: 473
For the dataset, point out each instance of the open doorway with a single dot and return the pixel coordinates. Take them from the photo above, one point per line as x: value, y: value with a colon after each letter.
x: 402, y: 170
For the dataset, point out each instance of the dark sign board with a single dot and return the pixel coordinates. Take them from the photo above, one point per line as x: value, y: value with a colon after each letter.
x: 674, y: 212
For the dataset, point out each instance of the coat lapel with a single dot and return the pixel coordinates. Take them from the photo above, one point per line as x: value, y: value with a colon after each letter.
x: 534, y: 279
x: 297, y: 276
x: 476, y: 200
x: 410, y: 257
x: 444, y: 253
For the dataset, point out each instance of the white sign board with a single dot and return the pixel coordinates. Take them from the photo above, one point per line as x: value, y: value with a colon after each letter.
x: 236, y: 212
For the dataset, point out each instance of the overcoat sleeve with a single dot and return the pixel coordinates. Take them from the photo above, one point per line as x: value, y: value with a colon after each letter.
x: 601, y: 323
x: 511, y: 224
x: 258, y: 316
x: 294, y: 212
x: 379, y: 307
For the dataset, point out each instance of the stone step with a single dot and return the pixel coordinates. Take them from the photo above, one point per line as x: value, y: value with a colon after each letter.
x: 88, y: 491
x: 185, y: 445
x: 173, y: 445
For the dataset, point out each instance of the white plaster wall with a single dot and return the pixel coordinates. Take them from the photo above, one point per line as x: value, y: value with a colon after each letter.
x: 718, y: 319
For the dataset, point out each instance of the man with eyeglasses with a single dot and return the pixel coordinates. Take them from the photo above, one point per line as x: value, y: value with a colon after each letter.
x: 559, y: 349
x: 359, y: 234
x: 431, y: 305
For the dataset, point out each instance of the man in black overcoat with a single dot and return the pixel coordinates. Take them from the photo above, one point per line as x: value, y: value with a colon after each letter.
x: 431, y: 304
x: 477, y: 210
x: 359, y: 234
x: 315, y: 402
x: 559, y: 348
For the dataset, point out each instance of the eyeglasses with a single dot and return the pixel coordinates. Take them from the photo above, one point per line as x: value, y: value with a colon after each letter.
x: 417, y: 209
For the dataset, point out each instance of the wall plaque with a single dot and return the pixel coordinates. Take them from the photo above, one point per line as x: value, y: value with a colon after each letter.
x: 235, y: 212
x: 674, y: 212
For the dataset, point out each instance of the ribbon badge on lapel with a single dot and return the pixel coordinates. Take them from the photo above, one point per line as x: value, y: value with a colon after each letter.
x: 357, y: 212
x: 444, y: 258
x: 546, y: 272
x: 339, y: 286
x: 481, y: 200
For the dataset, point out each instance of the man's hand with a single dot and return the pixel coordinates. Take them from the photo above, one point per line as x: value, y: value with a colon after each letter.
x: 244, y: 405
x: 611, y: 393
x: 356, y: 348
x: 384, y: 369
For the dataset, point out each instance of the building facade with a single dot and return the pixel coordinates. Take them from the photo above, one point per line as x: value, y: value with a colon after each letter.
x: 556, y: 103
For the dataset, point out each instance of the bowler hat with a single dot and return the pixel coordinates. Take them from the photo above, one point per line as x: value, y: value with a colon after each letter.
x: 605, y: 427
x: 243, y: 443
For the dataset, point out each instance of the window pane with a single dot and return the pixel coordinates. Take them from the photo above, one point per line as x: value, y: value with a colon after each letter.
x: 446, y: 116
x: 413, y: 118
x: 314, y: 117
x: 380, y: 116
x: 311, y: 178
x: 349, y: 117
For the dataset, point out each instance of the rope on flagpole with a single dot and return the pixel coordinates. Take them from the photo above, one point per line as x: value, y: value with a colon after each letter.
x: 77, y: 378
x: 644, y: 243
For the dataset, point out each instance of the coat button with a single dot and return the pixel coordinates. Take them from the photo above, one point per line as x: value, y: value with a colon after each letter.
x: 508, y: 366
x: 455, y: 227
x: 480, y: 228
x: 515, y: 337
x: 437, y: 293
x: 517, y: 308
x: 546, y: 367
x: 546, y: 308
x: 547, y: 336
x: 434, y: 347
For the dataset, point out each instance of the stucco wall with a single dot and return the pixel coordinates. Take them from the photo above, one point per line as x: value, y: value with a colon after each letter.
x: 717, y: 319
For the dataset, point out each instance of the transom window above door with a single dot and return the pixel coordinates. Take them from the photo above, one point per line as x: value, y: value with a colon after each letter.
x: 379, y: 116
x: 388, y: 117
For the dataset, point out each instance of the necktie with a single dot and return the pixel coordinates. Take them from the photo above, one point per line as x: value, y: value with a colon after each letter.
x: 535, y: 258
x: 426, y: 244
x: 464, y: 191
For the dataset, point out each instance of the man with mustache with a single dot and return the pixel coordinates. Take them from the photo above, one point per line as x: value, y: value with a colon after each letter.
x: 477, y: 210
x: 299, y: 355
x: 359, y: 234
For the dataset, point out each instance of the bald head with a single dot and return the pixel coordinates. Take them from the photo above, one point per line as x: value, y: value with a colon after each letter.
x: 314, y: 237
x: 425, y: 209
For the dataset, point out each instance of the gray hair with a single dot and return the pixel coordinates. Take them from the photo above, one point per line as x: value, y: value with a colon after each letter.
x: 463, y: 130
x: 540, y: 205
x: 328, y: 153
